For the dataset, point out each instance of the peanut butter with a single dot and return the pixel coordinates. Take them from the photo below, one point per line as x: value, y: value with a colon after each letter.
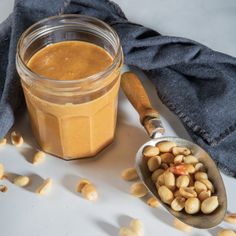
x: 72, y: 129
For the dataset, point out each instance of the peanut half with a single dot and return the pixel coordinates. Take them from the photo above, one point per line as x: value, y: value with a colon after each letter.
x: 153, y: 202
x: 230, y: 218
x: 150, y: 151
x: 21, y: 181
x: 89, y: 192
x: 38, y: 157
x: 126, y: 232
x: 81, y: 185
x: 3, y: 188
x: 137, y: 226
x: 129, y: 174
x: 182, y: 226
x: 45, y: 187
x: 226, y: 232
x: 166, y: 146
x: 16, y: 139
x: 138, y: 189
x: 3, y: 142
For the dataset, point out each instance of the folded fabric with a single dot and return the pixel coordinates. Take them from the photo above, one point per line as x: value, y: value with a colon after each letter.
x: 195, y: 82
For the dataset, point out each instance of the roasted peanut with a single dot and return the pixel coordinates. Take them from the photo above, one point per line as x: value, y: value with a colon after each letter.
x: 199, y: 187
x: 3, y: 142
x: 200, y: 175
x: 166, y: 146
x: 226, y: 232
x: 164, y: 166
x: 200, y: 167
x: 179, y: 169
x: 178, y: 204
x: 230, y: 218
x: 81, y: 184
x: 16, y: 139
x: 89, y: 192
x: 192, y: 205
x: 138, y: 189
x: 38, y: 157
x: 1, y: 170
x: 21, y: 181
x: 209, y: 205
x: 182, y: 181
x: 150, y: 151
x: 156, y: 174
x: 137, y: 226
x: 189, y: 168
x: 182, y: 226
x: 160, y: 181
x: 45, y: 187
x: 181, y: 151
x: 187, y: 192
x: 167, y: 158
x: 208, y: 184
x: 129, y: 174
x: 126, y: 232
x: 190, y: 159
x: 165, y: 194
x: 178, y: 159
x: 153, y: 202
x: 169, y: 180
x: 154, y: 163
x: 204, y: 195
x: 3, y: 188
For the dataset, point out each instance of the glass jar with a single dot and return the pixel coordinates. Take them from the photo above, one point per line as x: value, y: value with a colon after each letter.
x: 71, y: 118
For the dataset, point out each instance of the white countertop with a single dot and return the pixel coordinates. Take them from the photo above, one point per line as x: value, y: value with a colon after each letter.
x: 64, y: 212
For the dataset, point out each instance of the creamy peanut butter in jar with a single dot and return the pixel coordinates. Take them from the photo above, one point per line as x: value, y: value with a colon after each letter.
x: 69, y: 67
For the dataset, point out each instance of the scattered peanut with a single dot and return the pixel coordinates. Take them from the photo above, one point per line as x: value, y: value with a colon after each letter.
x: 3, y: 188
x: 38, y: 157
x: 230, y: 218
x: 192, y: 205
x: 226, y: 232
x: 1, y: 170
x: 154, y: 163
x: 81, y: 185
x: 181, y: 151
x: 209, y: 204
x: 137, y: 226
x: 167, y: 157
x: 165, y: 194
x: 126, y: 232
x: 129, y: 174
x: 16, y: 139
x: 182, y: 181
x: 182, y: 226
x: 138, y: 189
x: 3, y: 141
x: 89, y: 192
x: 45, y: 187
x: 178, y: 204
x: 166, y: 146
x: 22, y: 181
x: 150, y: 151
x: 153, y: 202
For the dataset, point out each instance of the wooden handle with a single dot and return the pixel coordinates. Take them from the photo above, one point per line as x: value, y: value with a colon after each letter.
x: 137, y: 95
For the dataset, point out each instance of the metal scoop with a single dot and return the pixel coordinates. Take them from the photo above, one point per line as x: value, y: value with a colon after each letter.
x: 150, y: 119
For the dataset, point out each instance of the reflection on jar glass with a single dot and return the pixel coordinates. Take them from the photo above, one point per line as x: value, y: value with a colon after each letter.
x: 73, y: 114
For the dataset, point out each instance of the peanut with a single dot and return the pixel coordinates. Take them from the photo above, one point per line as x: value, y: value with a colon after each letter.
x: 164, y: 166
x: 165, y: 194
x: 150, y: 151
x: 187, y: 192
x: 16, y: 139
x: 89, y: 192
x: 199, y: 167
x: 154, y: 163
x: 192, y: 205
x: 226, y: 232
x: 156, y: 174
x: 204, y: 195
x: 230, y: 218
x: 166, y: 146
x: 199, y: 187
x: 200, y: 175
x: 190, y: 159
x: 1, y: 170
x: 182, y: 226
x: 138, y: 189
x: 22, y: 181
x: 178, y: 159
x: 209, y: 205
x: 3, y: 142
x: 181, y: 151
x: 189, y: 168
x: 81, y: 185
x: 45, y: 187
x: 38, y: 157
x: 126, y: 232
x: 208, y: 184
x: 3, y: 188
x: 182, y: 181
x: 129, y: 174
x: 167, y: 157
x: 153, y: 202
x: 178, y: 204
x: 160, y: 181
x: 169, y: 180
x: 137, y: 226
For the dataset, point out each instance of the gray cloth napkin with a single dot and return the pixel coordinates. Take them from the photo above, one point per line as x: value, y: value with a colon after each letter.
x: 195, y: 82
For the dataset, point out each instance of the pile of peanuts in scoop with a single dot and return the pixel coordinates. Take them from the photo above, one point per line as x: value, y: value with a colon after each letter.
x: 181, y: 180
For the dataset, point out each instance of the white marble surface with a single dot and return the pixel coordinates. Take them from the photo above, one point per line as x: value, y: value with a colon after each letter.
x: 65, y: 213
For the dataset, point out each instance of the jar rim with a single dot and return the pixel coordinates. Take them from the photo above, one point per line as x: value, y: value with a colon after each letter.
x: 118, y: 57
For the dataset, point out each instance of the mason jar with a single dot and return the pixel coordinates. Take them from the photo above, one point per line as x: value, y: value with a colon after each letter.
x: 71, y: 118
